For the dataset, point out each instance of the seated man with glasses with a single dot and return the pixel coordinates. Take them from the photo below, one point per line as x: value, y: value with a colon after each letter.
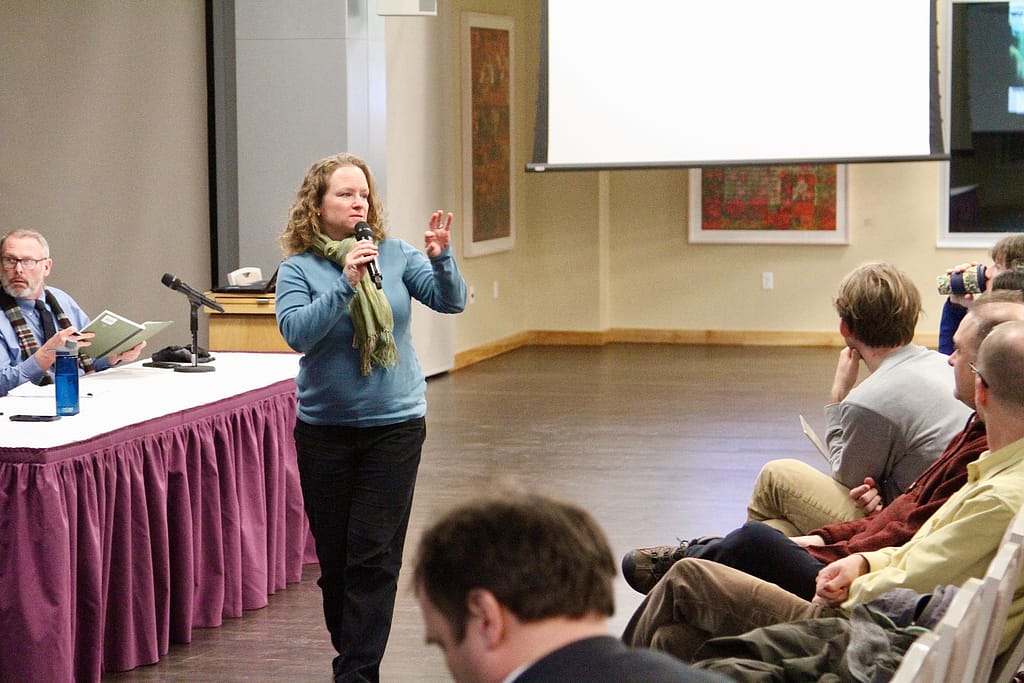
x: 38, y: 320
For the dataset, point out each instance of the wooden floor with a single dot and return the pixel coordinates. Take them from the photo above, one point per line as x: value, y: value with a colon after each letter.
x: 658, y: 442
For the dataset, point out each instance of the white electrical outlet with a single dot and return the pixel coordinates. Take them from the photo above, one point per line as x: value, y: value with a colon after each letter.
x: 767, y: 280
x: 495, y: 289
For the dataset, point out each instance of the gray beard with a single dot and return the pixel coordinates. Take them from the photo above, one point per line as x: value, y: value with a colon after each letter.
x: 17, y: 292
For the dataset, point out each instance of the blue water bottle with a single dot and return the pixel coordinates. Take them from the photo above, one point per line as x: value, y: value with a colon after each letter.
x: 66, y: 379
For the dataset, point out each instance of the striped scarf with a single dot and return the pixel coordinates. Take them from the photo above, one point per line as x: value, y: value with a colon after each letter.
x: 27, y: 341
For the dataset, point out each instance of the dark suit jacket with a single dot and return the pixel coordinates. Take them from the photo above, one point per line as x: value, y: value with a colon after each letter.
x: 605, y: 659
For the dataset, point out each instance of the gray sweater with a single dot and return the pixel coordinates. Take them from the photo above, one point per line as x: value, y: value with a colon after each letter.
x: 896, y: 422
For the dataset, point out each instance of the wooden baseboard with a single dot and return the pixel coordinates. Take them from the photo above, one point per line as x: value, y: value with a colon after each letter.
x: 490, y: 350
x: 725, y: 337
x: 623, y: 335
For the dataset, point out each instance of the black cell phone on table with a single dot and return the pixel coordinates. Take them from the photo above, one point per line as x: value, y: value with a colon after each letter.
x: 34, y: 418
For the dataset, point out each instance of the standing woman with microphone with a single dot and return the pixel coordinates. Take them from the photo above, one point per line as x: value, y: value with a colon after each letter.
x: 361, y: 391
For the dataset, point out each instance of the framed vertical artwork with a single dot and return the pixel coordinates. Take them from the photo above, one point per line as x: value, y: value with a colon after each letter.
x: 790, y: 204
x: 487, y: 134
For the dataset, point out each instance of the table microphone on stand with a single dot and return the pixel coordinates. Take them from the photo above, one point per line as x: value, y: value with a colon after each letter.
x: 195, y: 300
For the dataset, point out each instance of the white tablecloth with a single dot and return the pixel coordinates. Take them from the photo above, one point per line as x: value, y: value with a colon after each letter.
x: 130, y: 394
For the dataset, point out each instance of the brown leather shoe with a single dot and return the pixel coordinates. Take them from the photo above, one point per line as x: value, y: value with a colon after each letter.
x: 644, y: 567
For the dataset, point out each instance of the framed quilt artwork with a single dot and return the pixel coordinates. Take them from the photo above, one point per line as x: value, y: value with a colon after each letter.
x: 487, y: 135
x: 786, y: 204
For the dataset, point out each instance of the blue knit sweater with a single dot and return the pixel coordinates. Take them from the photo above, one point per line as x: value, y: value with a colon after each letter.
x: 312, y: 303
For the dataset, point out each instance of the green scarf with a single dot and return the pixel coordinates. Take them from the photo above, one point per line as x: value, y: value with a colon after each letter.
x: 370, y: 311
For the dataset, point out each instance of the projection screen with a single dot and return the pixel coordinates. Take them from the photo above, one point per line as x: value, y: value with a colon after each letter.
x: 653, y: 83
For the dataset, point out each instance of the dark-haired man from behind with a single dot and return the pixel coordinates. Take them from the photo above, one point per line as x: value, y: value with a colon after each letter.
x: 518, y: 590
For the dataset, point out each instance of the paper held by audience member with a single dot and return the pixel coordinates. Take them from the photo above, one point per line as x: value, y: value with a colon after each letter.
x: 813, y: 437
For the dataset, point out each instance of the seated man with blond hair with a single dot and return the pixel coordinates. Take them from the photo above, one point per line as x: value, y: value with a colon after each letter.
x: 880, y: 434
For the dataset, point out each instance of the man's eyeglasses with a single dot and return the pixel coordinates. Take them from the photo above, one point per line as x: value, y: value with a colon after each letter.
x: 977, y: 372
x: 10, y: 263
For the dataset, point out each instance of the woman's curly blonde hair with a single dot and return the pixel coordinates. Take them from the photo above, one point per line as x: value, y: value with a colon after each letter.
x: 304, y: 217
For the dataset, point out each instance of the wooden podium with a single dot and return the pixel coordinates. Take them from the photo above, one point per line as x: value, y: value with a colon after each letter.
x: 248, y: 323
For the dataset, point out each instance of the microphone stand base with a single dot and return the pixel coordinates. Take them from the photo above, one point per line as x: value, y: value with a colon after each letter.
x: 194, y: 368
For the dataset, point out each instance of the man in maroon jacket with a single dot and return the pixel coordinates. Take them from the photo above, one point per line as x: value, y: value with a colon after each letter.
x: 793, y: 563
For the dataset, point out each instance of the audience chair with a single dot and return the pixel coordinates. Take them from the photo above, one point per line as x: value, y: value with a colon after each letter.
x: 963, y: 645
x: 1010, y: 662
x: 943, y: 656
x: 1007, y: 665
x: 1000, y: 584
x: 925, y: 661
x: 1015, y: 532
x: 964, y: 626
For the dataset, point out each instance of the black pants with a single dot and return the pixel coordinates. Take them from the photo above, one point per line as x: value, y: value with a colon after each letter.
x: 764, y: 552
x: 357, y: 488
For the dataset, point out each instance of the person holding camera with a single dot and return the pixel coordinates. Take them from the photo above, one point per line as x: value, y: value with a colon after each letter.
x: 960, y: 284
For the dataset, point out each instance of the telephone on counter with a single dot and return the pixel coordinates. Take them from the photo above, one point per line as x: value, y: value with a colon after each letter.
x: 245, y: 276
x: 248, y: 280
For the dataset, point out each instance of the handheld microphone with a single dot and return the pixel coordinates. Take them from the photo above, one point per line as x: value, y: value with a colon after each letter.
x: 193, y: 295
x: 365, y: 232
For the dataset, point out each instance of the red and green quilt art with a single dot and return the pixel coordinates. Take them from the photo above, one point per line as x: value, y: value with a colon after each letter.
x: 797, y: 197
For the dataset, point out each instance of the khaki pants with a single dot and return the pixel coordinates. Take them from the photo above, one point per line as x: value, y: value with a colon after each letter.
x: 698, y: 600
x: 793, y: 497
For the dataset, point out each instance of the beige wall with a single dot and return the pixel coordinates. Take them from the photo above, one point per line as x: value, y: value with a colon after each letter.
x: 104, y: 148
x: 702, y: 286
